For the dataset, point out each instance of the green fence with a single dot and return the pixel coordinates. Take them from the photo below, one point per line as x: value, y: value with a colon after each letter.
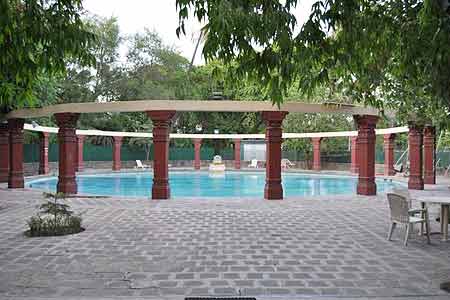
x: 130, y: 153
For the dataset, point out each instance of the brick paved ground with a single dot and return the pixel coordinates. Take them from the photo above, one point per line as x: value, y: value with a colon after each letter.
x: 293, y: 248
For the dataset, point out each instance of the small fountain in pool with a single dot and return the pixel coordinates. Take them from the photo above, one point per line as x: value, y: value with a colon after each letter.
x: 217, y: 165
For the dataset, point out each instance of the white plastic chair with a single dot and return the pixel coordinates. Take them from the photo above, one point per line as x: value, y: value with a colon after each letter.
x: 286, y: 163
x: 253, y: 163
x: 140, y: 165
x: 400, y: 214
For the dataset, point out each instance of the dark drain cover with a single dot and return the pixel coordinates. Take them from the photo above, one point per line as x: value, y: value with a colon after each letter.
x: 219, y: 298
x: 445, y: 286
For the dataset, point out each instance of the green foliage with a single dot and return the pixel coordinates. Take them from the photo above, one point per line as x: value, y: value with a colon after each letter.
x: 388, y: 54
x: 36, y: 40
x: 54, y: 218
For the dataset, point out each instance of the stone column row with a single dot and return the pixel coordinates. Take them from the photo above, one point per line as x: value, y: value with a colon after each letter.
x: 70, y: 149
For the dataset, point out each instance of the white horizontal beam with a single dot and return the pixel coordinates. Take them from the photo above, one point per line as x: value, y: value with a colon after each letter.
x: 192, y: 106
x: 216, y: 136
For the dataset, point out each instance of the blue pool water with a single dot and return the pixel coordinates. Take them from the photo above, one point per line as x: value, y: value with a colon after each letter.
x: 204, y: 184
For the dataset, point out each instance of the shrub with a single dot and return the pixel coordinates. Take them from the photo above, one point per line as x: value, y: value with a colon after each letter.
x: 54, y: 218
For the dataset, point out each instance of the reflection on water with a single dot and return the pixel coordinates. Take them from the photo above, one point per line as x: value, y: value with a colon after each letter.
x: 204, y: 184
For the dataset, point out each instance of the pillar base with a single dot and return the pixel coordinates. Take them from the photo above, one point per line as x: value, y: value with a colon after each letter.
x: 69, y: 186
x: 366, y: 187
x: 3, y: 176
x: 415, y: 183
x: 273, y: 191
x: 16, y: 181
x: 429, y: 179
x: 160, y: 191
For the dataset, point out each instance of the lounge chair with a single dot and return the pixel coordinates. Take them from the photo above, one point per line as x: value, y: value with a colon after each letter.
x: 286, y: 163
x: 401, y: 214
x: 140, y: 165
x: 253, y: 163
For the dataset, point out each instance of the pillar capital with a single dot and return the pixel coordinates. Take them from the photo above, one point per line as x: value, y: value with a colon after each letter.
x: 429, y: 131
x: 67, y: 120
x: 117, y: 139
x: 317, y: 140
x: 161, y: 115
x: 15, y: 128
x: 366, y: 121
x: 274, y: 118
x: 197, y: 141
x: 389, y: 136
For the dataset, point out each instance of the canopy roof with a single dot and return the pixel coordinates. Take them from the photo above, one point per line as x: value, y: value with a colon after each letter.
x: 190, y: 105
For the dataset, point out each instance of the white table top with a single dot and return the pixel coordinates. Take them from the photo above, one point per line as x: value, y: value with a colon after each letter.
x: 434, y: 199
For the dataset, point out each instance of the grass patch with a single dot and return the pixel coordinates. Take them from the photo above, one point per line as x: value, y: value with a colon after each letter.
x: 54, y: 218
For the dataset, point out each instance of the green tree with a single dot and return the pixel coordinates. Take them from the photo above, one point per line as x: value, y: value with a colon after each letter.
x: 98, y: 82
x: 36, y: 39
x: 368, y: 50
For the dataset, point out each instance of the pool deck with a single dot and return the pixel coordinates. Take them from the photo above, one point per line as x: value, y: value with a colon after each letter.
x: 299, y: 248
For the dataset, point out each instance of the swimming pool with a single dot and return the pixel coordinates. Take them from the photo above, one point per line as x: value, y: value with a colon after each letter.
x: 204, y: 184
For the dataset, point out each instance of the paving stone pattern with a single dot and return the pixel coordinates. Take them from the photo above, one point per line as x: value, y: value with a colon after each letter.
x: 303, y: 247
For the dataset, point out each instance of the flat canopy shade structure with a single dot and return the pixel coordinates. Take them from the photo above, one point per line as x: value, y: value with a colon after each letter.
x: 190, y: 105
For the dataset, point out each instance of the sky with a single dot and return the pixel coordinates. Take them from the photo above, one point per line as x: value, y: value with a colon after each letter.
x: 161, y: 15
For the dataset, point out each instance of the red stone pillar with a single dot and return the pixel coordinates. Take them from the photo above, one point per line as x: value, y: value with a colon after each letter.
x: 415, y: 141
x: 237, y: 154
x: 389, y: 145
x: 354, y: 155
x: 68, y: 152
x: 316, y: 153
x: 117, y: 147
x: 80, y: 161
x: 429, y: 142
x: 366, y: 154
x: 4, y: 152
x: 15, y: 127
x: 161, y: 127
x: 273, y: 189
x: 43, y: 155
x: 197, y: 146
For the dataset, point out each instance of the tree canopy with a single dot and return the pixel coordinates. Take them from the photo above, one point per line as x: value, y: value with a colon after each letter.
x: 37, y: 37
x: 386, y: 53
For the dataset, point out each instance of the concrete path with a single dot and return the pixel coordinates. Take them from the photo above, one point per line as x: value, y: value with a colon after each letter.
x: 320, y: 248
